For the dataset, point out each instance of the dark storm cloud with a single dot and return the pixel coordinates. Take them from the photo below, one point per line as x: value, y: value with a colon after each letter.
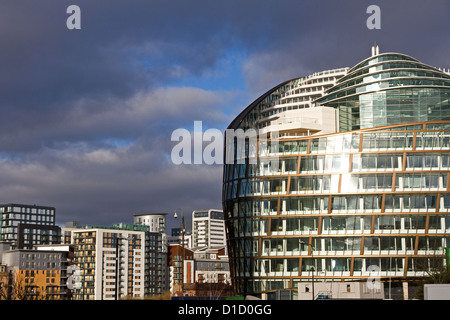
x: 312, y: 36
x: 87, y: 114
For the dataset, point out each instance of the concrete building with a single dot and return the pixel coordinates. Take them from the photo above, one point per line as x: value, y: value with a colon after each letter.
x: 437, y: 291
x: 355, y: 180
x: 341, y: 291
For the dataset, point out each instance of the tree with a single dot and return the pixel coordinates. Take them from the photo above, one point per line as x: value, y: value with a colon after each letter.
x: 438, y: 274
x: 19, y: 289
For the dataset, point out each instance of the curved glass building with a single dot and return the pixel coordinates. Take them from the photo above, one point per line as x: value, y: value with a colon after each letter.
x: 349, y: 173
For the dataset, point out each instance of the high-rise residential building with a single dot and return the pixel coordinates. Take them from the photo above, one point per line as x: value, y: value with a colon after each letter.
x: 208, y: 228
x: 142, y: 270
x: 109, y: 262
x: 28, y: 225
x: 156, y: 253
x: 352, y: 184
x: 155, y: 221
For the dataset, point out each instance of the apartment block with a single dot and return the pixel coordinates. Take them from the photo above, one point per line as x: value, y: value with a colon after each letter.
x: 109, y: 262
x: 28, y: 225
x: 199, y: 271
x: 37, y: 274
x: 208, y: 228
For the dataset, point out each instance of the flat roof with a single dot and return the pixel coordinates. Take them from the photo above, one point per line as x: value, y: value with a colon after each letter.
x: 150, y: 214
x: 25, y: 205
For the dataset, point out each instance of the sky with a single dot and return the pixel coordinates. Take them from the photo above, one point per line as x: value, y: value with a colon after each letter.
x: 87, y: 114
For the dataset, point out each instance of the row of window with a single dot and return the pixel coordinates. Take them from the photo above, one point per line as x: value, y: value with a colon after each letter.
x: 338, y: 246
x: 390, y: 62
x: 343, y: 204
x: 351, y: 142
x: 355, y: 224
x: 34, y: 265
x: 27, y: 210
x: 358, y: 224
x: 328, y: 266
x: 330, y: 184
x: 341, y: 164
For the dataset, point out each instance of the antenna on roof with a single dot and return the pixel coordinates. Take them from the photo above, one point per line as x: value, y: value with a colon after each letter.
x: 375, y: 49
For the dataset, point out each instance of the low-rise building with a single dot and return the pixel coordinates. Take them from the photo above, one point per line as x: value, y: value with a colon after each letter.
x: 39, y: 273
x: 181, y: 268
x: 205, y: 272
x: 358, y: 290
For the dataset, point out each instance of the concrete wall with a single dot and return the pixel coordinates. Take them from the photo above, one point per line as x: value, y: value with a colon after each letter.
x: 437, y: 292
x: 339, y: 290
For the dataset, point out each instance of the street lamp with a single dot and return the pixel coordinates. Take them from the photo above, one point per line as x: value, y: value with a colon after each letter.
x: 178, y: 211
x: 312, y: 268
x: 129, y: 238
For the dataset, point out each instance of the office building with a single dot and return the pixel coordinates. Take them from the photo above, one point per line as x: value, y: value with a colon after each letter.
x: 351, y: 182
x: 208, y: 228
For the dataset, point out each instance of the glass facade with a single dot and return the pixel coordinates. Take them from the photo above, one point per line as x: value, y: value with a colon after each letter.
x: 333, y: 206
x: 389, y: 89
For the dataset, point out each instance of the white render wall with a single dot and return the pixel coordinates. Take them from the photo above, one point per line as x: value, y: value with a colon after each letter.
x: 323, y: 119
x: 207, y: 231
x: 341, y: 290
x: 152, y: 220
